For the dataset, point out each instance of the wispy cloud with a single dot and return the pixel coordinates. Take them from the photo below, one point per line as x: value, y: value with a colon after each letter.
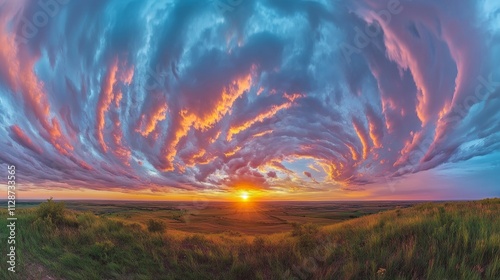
x: 168, y: 95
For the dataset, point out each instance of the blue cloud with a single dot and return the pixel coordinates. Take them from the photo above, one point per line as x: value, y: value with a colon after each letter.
x: 194, y: 95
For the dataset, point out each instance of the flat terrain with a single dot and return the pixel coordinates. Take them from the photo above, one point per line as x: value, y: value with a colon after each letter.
x: 236, y: 218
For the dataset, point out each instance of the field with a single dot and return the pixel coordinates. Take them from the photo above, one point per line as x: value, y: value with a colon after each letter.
x: 272, y: 240
x: 236, y: 218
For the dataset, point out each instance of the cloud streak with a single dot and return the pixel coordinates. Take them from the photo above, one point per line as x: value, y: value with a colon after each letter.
x: 271, y: 95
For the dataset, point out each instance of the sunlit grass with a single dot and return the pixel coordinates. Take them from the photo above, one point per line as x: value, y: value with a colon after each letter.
x: 427, y: 241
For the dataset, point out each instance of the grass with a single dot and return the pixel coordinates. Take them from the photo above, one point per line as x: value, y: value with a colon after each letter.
x: 459, y: 240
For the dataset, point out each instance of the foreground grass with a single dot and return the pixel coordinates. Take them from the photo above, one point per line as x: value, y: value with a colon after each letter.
x: 429, y: 241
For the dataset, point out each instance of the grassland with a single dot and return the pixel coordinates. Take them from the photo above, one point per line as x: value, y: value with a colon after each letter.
x: 454, y: 240
x: 236, y: 218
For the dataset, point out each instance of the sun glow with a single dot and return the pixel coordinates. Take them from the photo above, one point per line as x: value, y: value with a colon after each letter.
x: 244, y: 195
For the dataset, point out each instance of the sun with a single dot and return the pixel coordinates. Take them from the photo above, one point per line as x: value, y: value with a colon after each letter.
x: 244, y: 195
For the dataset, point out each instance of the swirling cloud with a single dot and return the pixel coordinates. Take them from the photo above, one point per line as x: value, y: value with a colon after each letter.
x: 283, y: 96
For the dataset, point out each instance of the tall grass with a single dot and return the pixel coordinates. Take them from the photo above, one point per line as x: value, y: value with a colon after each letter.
x: 429, y: 241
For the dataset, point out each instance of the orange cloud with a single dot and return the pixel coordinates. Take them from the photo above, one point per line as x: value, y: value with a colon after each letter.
x: 200, y: 121
x: 354, y: 153
x: 104, y: 102
x: 120, y: 150
x: 22, y: 79
x: 24, y: 139
x: 363, y: 137
x: 261, y: 117
x: 149, y: 122
x: 260, y: 134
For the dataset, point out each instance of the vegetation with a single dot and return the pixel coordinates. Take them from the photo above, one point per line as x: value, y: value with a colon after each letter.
x: 51, y: 211
x: 429, y: 241
x: 156, y: 226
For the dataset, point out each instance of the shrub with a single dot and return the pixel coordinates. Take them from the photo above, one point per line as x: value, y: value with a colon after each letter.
x: 87, y: 219
x: 134, y: 227
x: 70, y: 220
x: 50, y: 210
x: 156, y: 226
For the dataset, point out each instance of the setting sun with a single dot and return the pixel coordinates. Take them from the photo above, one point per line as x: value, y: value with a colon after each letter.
x: 244, y: 195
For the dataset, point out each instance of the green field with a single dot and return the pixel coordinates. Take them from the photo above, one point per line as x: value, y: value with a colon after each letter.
x: 293, y: 240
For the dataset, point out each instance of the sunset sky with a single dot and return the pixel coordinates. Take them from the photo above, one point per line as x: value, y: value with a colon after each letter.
x: 283, y: 99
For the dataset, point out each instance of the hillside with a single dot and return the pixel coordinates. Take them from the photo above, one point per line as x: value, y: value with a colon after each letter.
x: 454, y: 240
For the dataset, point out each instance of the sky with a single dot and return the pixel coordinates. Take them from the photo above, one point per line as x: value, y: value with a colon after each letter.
x: 283, y: 99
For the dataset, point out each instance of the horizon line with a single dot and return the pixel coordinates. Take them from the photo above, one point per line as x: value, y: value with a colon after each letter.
x: 233, y: 201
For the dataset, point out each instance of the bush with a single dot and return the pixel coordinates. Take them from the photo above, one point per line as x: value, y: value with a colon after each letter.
x: 50, y: 210
x: 134, y: 227
x: 87, y: 219
x: 70, y: 220
x: 156, y: 226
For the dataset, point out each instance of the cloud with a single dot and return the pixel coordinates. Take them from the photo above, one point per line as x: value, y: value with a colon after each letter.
x: 20, y: 136
x: 272, y: 174
x: 178, y: 95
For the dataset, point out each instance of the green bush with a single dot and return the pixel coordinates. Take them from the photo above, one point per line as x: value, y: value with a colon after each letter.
x: 87, y: 219
x: 156, y: 226
x: 50, y: 210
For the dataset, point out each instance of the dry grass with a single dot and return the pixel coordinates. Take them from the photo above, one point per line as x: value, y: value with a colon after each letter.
x: 459, y: 240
